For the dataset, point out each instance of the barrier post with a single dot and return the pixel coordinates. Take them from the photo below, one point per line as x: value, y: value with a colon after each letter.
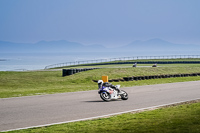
x: 105, y: 78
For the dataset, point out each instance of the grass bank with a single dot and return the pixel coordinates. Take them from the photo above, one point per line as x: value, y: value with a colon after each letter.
x: 129, y: 66
x: 16, y: 84
x: 177, y: 119
x: 102, y: 64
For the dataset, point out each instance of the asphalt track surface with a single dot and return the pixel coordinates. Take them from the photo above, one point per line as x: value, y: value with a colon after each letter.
x: 36, y: 111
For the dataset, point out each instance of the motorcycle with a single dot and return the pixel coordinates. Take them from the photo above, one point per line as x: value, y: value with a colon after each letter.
x: 108, y: 93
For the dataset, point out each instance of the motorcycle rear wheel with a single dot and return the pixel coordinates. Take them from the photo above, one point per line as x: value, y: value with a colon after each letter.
x: 105, y: 96
x: 124, y: 96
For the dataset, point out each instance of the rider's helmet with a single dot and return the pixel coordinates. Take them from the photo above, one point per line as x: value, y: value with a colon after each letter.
x: 100, y: 83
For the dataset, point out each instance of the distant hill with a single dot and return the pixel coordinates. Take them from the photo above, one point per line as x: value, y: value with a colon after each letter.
x: 67, y: 46
x: 158, y: 45
x: 47, y: 46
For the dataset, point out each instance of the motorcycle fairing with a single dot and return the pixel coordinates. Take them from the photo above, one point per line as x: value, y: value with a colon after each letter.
x: 102, y: 89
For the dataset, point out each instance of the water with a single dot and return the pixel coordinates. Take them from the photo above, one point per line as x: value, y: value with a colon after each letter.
x: 36, y: 61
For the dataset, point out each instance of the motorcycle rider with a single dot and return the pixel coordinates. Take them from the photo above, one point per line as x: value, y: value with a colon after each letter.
x: 106, y: 84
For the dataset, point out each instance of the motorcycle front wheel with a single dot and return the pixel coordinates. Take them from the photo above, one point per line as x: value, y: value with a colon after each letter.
x: 124, y: 96
x: 105, y: 96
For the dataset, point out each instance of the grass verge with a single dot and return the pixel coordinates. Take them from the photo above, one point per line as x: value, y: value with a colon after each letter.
x: 130, y: 65
x: 16, y: 84
x: 183, y: 118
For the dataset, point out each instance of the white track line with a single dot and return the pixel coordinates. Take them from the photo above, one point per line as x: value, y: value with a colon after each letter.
x: 102, y: 116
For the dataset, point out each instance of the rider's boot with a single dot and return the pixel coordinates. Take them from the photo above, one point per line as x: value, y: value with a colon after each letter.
x: 118, y: 91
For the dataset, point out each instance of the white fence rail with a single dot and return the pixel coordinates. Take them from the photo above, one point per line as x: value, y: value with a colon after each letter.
x: 122, y: 59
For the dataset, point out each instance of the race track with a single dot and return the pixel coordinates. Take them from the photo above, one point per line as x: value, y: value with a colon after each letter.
x: 31, y: 111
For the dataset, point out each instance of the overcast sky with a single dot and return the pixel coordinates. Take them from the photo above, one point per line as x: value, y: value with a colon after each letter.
x: 106, y: 22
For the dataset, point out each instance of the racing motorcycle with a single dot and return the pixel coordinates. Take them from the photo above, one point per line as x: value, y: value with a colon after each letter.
x: 108, y: 93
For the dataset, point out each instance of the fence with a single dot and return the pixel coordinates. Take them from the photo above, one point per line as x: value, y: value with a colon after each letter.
x: 67, y: 72
x: 135, y: 78
x: 121, y: 59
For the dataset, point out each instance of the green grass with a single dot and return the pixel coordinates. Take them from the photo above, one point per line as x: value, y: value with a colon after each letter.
x: 16, y: 84
x: 177, y: 119
x: 183, y: 59
x: 130, y: 65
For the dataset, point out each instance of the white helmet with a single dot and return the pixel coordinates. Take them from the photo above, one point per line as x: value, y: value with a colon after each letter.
x: 100, y: 83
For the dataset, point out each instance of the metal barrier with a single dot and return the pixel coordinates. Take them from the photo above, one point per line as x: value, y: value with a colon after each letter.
x: 136, y: 78
x: 121, y: 59
x: 68, y: 72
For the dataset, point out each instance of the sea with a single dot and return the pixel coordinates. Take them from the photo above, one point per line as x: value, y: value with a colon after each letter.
x: 38, y: 61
